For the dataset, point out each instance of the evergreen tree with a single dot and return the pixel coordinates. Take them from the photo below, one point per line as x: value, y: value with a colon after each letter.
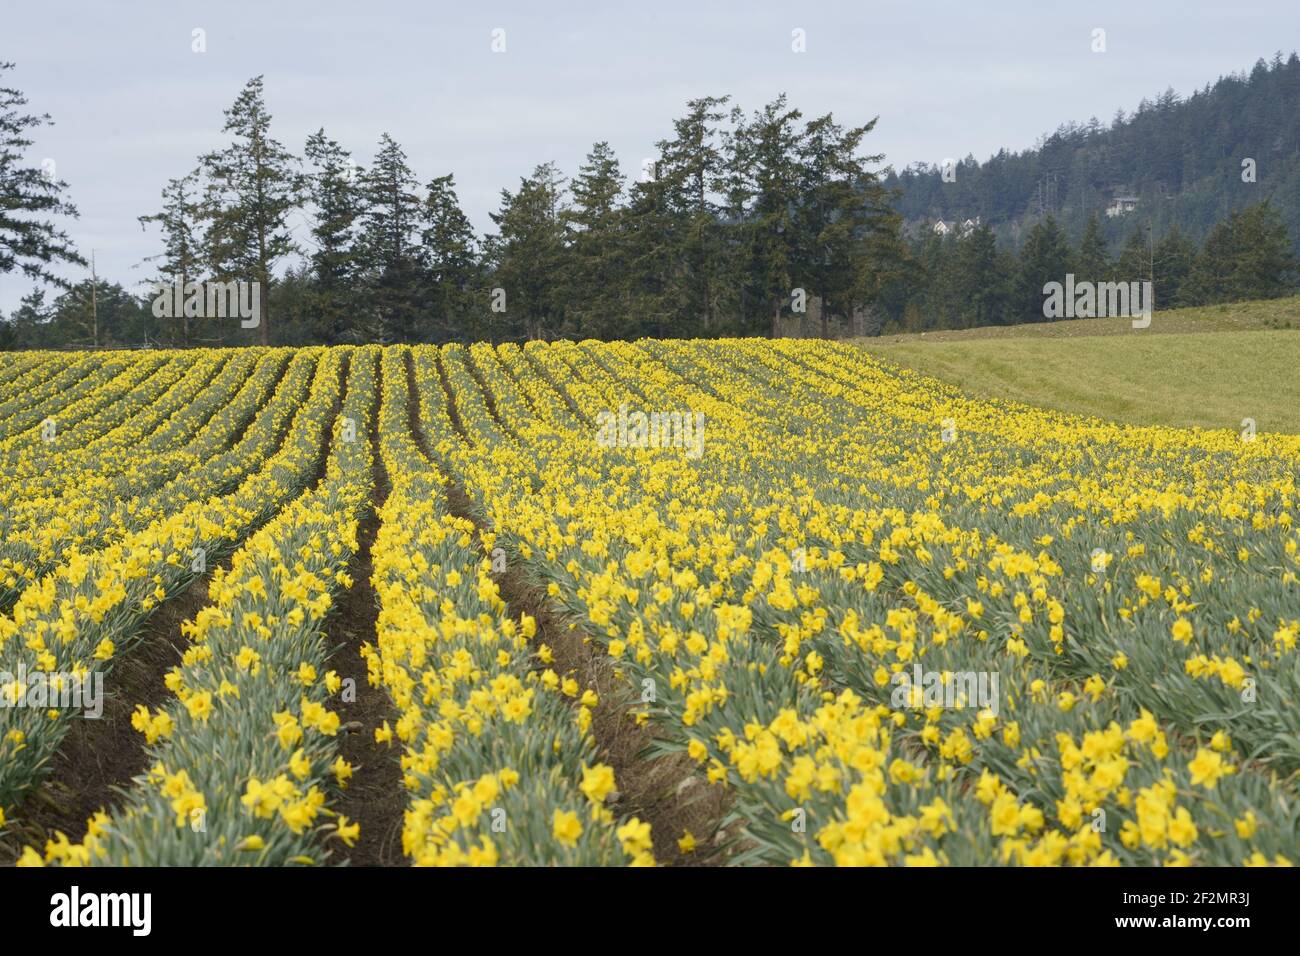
x: 1246, y: 256
x: 883, y: 271
x: 1210, y: 279
x: 649, y: 292
x: 763, y: 190
x: 1045, y: 257
x: 840, y: 202
x: 391, y: 254
x: 450, y: 252
x: 334, y: 190
x: 28, y: 241
x: 1174, y: 256
x: 716, y: 241
x: 296, y: 301
x: 887, y: 276
x: 120, y: 319
x: 692, y: 168
x: 1093, y: 261
x: 984, y: 279
x: 944, y: 266
x: 1134, y: 262
x: 253, y: 187
x: 1265, y: 266
x: 527, y: 255
x: 27, y: 326
x: 181, y: 260
x: 1181, y: 156
x: 594, y: 222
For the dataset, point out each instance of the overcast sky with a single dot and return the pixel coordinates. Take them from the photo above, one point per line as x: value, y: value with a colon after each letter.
x: 133, y: 104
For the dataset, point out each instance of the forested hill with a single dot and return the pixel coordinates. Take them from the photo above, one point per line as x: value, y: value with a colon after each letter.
x: 1181, y: 157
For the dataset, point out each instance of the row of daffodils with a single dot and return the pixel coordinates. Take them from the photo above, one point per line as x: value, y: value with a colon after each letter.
x: 72, y: 622
x: 243, y: 758
x: 70, y: 491
x: 497, y: 755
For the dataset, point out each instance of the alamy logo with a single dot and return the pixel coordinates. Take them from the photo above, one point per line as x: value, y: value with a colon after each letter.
x: 1087, y: 300
x: 103, y: 909
x: 210, y: 300
x: 638, y: 429
x: 43, y: 690
x: 949, y: 689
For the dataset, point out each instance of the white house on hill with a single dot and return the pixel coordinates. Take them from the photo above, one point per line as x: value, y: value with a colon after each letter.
x: 1121, y: 205
x: 943, y: 227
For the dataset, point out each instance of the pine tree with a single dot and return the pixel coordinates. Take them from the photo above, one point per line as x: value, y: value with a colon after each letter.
x: 296, y: 301
x: 1181, y: 157
x: 29, y: 324
x: 1093, y: 261
x: 762, y: 194
x: 692, y: 168
x: 840, y: 204
x: 594, y: 223
x: 984, y: 279
x: 181, y: 260
x: 1246, y: 256
x: 253, y: 187
x: 887, y: 275
x: 121, y: 319
x: 1210, y: 280
x: 1174, y: 256
x: 1045, y: 257
x: 883, y: 272
x: 527, y: 254
x: 1134, y: 262
x: 391, y: 254
x: 649, y: 292
x: 451, y: 256
x: 1265, y: 266
x: 946, y: 301
x: 28, y: 241
x: 334, y: 189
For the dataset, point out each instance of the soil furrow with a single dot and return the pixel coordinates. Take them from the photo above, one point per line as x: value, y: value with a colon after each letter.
x: 375, y: 797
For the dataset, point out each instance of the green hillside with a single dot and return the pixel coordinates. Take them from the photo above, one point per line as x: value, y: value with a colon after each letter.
x: 1181, y: 156
x: 1210, y: 367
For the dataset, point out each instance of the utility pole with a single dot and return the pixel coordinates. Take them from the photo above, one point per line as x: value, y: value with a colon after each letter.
x: 1151, y: 237
x: 94, y: 299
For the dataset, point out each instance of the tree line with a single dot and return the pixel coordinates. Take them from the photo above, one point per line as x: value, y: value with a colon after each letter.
x: 967, y: 280
x: 739, y: 222
x: 758, y: 223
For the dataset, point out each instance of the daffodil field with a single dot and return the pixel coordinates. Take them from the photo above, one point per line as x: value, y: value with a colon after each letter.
x: 863, y: 618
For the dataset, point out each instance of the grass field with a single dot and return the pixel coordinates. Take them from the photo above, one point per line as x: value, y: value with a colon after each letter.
x: 1207, y: 367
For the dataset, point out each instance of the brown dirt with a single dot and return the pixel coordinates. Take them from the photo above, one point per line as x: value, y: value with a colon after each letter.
x: 375, y: 797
